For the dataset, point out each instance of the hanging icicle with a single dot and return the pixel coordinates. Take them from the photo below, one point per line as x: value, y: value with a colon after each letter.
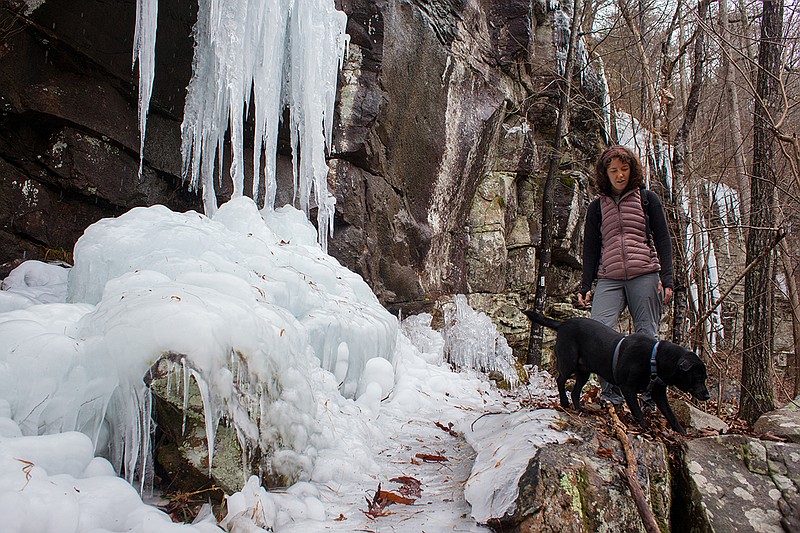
x: 282, y: 54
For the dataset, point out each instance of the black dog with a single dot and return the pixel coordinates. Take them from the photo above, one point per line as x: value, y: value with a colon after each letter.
x: 584, y: 346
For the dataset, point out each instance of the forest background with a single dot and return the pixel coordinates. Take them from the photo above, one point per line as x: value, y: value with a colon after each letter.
x: 714, y: 90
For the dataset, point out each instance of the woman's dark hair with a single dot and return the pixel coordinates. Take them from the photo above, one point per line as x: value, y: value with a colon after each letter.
x: 601, y: 181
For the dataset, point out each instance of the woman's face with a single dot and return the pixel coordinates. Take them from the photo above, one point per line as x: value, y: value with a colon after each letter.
x: 619, y: 174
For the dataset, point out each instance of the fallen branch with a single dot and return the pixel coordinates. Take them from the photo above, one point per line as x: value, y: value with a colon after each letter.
x: 779, y: 235
x: 632, y: 476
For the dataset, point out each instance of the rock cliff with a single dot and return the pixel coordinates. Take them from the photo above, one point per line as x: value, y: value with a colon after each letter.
x: 444, y: 116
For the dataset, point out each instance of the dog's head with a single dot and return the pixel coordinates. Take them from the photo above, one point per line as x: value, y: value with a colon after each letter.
x: 690, y: 374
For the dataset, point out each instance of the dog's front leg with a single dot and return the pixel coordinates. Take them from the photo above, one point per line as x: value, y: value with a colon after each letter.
x: 659, y: 395
x: 632, y: 399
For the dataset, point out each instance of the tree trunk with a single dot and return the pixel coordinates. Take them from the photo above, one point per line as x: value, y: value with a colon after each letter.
x: 758, y: 396
x: 699, y: 272
x: 748, y: 42
x: 544, y: 252
x: 789, y: 270
x: 735, y: 121
x: 681, y: 145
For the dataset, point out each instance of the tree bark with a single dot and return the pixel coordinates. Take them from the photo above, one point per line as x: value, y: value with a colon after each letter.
x: 544, y: 252
x: 789, y: 270
x: 735, y: 121
x: 680, y: 152
x: 758, y: 396
x: 699, y: 272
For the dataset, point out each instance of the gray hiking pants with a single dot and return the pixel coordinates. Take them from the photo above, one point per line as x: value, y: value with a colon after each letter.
x: 644, y: 302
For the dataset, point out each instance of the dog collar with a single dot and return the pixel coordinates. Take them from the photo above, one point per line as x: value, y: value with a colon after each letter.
x: 614, y: 360
x: 654, y: 379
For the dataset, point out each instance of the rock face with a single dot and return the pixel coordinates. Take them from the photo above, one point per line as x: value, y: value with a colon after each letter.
x: 438, y: 181
x: 578, y: 487
x: 445, y: 112
x: 68, y: 128
x: 734, y: 483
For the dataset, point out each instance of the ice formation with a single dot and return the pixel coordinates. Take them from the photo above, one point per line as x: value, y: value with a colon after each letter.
x: 417, y: 328
x: 505, y: 445
x: 562, y: 28
x: 256, y: 58
x: 290, y: 347
x: 144, y: 53
x: 249, y: 311
x: 37, y: 282
x: 471, y: 341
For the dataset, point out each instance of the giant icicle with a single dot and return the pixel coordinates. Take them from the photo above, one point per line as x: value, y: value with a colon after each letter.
x: 144, y: 52
x: 285, y: 53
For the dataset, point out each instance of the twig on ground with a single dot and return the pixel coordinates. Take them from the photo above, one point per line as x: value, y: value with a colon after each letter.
x: 632, y: 476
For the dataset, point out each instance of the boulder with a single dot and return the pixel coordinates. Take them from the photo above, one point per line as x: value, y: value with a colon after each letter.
x: 734, y: 483
x: 181, y: 450
x: 783, y: 422
x: 691, y: 417
x: 578, y: 486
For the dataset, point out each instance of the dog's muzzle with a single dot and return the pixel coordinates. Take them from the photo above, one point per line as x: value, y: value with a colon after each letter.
x: 701, y: 395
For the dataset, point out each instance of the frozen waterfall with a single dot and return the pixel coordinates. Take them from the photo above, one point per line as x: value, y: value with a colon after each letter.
x: 279, y: 54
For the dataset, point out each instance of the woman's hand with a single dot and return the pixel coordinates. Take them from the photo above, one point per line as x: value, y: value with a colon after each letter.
x: 666, y: 292
x: 584, y: 301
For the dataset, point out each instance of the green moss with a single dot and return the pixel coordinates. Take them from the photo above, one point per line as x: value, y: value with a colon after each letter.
x: 58, y: 254
x: 576, y: 485
x: 568, y: 180
x: 569, y: 485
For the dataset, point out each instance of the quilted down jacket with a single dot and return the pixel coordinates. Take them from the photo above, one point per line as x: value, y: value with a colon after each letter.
x: 616, y: 244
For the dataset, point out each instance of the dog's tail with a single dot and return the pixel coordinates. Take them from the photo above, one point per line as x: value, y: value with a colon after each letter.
x: 539, y: 318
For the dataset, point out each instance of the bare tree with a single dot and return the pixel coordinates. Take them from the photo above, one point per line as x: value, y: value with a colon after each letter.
x: 793, y: 295
x: 757, y: 395
x: 679, y: 156
x: 734, y: 117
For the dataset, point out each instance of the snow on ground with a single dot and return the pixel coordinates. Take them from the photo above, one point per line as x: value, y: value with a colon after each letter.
x: 353, y: 400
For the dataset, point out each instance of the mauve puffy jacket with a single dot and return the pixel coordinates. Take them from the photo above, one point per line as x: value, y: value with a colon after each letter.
x: 626, y: 253
x: 614, y: 244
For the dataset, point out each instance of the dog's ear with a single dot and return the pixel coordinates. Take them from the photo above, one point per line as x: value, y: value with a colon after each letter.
x: 685, y: 364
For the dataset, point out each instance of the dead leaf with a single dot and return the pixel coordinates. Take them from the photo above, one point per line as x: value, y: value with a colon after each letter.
x: 26, y: 469
x: 375, y: 513
x: 378, y: 506
x: 410, y: 487
x: 391, y: 497
x: 340, y: 518
x: 428, y: 458
x: 772, y: 437
x: 448, y: 428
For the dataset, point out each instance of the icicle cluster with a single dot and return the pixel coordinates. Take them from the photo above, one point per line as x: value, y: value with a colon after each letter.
x: 471, y: 341
x: 418, y: 330
x: 256, y: 58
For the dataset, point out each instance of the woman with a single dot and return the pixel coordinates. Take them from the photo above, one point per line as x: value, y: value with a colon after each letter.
x: 626, y: 248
